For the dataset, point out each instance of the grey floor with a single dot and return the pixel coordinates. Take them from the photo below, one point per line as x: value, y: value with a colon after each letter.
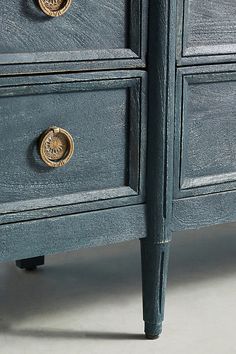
x: 90, y: 301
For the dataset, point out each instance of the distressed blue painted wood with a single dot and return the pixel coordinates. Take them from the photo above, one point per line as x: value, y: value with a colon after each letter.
x: 206, y: 31
x: 106, y: 116
x: 91, y: 35
x: 154, y: 131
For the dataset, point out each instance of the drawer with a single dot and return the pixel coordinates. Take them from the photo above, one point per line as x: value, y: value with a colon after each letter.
x: 102, y: 113
x: 205, y: 160
x: 207, y: 28
x: 90, y: 34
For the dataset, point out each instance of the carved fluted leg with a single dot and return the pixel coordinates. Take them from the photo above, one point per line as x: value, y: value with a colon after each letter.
x: 155, y: 259
x: 30, y: 263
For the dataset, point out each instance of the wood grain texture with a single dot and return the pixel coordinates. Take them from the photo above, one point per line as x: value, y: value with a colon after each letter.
x: 161, y: 61
x: 205, y: 132
x: 71, y: 66
x: 67, y: 233
x: 205, y: 210
x: 87, y: 25
x: 104, y: 118
x: 155, y: 259
x: 89, y: 31
x: 93, y: 201
x: 155, y: 248
x: 105, y: 201
x: 206, y: 28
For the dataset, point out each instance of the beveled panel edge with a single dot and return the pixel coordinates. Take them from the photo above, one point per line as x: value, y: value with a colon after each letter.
x: 97, y: 228
x: 66, y: 200
x: 189, y: 183
x: 53, y: 211
x: 20, y: 80
x: 186, y: 75
x: 70, y: 67
x: 68, y: 56
x: 207, y: 59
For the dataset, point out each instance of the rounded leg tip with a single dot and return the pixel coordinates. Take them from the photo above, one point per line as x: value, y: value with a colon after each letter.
x: 153, y: 330
x: 150, y: 336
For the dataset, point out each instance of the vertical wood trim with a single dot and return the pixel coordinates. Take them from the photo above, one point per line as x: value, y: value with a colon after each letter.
x: 161, y: 67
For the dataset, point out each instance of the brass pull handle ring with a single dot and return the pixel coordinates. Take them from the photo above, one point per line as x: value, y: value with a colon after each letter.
x: 56, y: 147
x: 54, y: 8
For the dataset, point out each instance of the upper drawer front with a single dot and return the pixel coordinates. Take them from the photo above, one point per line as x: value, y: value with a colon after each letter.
x: 206, y: 130
x: 99, y: 31
x: 209, y: 28
x: 103, y: 114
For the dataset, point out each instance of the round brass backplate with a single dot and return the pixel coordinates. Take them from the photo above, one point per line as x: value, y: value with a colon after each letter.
x: 54, y: 8
x: 56, y: 147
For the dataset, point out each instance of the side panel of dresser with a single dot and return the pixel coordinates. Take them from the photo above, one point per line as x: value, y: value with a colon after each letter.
x: 205, y: 147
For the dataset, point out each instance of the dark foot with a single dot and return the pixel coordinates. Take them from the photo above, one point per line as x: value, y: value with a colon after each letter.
x: 30, y: 263
x: 153, y: 330
x: 149, y: 336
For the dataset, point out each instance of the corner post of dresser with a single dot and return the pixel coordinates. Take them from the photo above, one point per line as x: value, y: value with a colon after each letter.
x: 161, y: 81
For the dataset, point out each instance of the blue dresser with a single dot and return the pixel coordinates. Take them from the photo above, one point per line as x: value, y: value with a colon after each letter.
x: 117, y: 122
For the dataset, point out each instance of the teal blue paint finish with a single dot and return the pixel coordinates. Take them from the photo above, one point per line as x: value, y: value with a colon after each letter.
x: 205, y: 146
x: 107, y: 121
x: 111, y: 34
x: 100, y: 196
x: 154, y: 258
x: 151, y: 156
x: 67, y: 233
x: 206, y: 32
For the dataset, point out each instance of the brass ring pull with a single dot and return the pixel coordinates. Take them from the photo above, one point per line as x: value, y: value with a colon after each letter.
x: 54, y: 8
x: 56, y: 147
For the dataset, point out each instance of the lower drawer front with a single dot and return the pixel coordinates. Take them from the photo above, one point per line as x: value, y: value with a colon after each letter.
x: 206, y: 131
x: 103, y: 113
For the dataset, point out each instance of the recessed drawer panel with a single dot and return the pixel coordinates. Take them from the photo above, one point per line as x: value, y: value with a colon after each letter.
x: 209, y: 27
x: 206, y: 130
x: 88, y: 31
x: 102, y: 128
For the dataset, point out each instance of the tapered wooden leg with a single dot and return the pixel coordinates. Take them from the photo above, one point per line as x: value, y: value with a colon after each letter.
x: 30, y: 263
x: 155, y: 259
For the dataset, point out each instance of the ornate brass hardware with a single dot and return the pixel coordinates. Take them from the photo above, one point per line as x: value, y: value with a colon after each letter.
x: 56, y: 147
x: 54, y: 8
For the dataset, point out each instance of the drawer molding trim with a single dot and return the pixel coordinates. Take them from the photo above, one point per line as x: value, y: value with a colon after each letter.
x: 205, y: 130
x: 69, y: 233
x: 200, y: 28
x: 123, y: 108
